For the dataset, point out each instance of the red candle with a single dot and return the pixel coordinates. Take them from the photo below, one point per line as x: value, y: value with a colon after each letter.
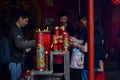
x: 47, y: 43
x: 65, y: 42
x: 56, y: 31
x: 55, y: 42
x: 60, y: 40
x: 46, y: 60
x: 40, y: 61
x: 62, y: 30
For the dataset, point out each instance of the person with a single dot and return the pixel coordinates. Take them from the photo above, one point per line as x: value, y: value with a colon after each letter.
x: 63, y: 22
x: 4, y: 57
x: 100, y: 74
x: 63, y: 19
x: 17, y: 43
x: 82, y: 45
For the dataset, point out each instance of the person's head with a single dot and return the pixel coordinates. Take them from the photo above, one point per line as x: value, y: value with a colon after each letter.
x: 82, y: 18
x: 22, y: 18
x: 63, y: 17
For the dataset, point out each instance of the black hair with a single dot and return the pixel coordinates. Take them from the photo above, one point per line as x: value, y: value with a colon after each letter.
x: 63, y: 13
x: 82, y: 16
x: 97, y: 27
x: 21, y: 13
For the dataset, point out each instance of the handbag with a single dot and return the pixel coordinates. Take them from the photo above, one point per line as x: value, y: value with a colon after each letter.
x: 77, y: 59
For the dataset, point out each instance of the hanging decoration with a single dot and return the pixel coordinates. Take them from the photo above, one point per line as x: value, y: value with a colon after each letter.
x: 116, y: 2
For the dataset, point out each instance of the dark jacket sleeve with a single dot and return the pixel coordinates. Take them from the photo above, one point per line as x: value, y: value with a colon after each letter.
x: 19, y: 40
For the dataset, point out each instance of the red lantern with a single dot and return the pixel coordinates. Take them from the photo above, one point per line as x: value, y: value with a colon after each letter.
x: 116, y: 2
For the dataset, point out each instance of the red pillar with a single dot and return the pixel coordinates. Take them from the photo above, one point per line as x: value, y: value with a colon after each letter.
x: 90, y: 39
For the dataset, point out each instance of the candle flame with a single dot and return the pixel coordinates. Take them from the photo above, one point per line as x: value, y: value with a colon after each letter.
x: 46, y: 52
x: 51, y: 45
x: 44, y: 30
x: 47, y: 29
x: 39, y: 29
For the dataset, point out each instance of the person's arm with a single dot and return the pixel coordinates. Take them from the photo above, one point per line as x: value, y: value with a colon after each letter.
x: 83, y: 48
x: 101, y: 64
x: 20, y: 42
x: 25, y: 44
x: 78, y: 44
x: 73, y: 39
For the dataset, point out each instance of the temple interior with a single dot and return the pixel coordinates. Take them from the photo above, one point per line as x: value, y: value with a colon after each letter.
x: 44, y: 15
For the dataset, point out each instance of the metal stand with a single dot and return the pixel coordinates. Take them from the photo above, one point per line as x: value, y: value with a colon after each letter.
x: 48, y: 75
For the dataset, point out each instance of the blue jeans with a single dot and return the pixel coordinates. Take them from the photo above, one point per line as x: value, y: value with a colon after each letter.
x: 15, y: 70
x: 84, y: 74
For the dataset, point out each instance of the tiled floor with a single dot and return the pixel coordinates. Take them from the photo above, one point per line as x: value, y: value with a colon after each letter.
x: 112, y: 72
x: 112, y: 75
x: 4, y: 72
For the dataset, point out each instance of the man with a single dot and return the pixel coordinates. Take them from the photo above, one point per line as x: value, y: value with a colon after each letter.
x: 63, y: 17
x: 63, y: 22
x: 18, y: 43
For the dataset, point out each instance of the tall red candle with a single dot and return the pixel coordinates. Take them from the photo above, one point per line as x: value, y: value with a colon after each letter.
x: 47, y: 43
x: 47, y: 40
x: 40, y: 61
